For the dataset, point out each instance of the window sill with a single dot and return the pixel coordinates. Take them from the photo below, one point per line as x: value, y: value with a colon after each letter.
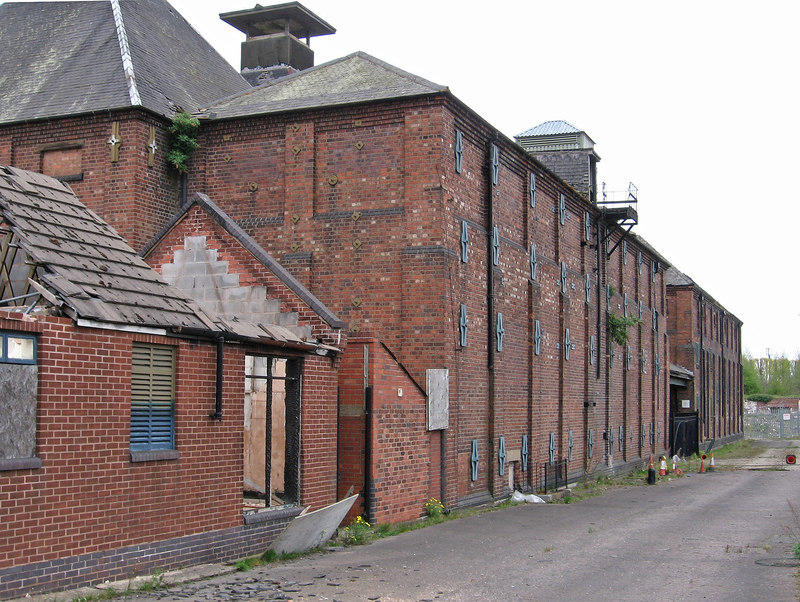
x: 154, y: 455
x: 271, y: 514
x: 20, y: 463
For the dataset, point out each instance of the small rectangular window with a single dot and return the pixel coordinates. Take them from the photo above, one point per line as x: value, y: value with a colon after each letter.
x: 17, y: 348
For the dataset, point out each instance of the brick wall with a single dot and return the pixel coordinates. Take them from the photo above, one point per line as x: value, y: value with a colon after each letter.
x: 365, y: 205
x: 706, y: 338
x: 90, y: 513
x: 135, y: 199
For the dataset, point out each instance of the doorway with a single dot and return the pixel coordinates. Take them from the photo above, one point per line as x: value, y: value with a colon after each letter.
x: 271, y: 432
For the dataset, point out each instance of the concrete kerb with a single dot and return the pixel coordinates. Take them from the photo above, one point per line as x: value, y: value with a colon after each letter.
x: 166, y: 579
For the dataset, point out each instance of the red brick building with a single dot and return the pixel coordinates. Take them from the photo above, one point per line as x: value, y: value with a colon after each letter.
x: 113, y: 448
x: 477, y: 280
x: 706, y: 394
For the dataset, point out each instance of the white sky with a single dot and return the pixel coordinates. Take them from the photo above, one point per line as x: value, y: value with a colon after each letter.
x: 694, y: 102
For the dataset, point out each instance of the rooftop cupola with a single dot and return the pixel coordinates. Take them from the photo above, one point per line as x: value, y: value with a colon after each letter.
x: 273, y: 47
x: 568, y: 151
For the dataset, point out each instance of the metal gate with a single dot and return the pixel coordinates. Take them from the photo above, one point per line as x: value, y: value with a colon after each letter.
x: 551, y: 477
x: 683, y: 433
x: 778, y: 425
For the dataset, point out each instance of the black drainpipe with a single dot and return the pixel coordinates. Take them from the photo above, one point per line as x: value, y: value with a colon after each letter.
x: 184, y: 188
x: 491, y: 318
x: 368, y: 454
x: 217, y: 415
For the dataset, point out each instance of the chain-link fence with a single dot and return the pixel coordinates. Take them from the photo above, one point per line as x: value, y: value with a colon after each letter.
x: 775, y: 425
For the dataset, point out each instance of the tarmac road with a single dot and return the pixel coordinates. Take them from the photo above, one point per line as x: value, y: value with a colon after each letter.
x: 712, y: 536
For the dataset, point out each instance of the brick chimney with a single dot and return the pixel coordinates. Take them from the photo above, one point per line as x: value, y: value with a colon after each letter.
x: 273, y: 47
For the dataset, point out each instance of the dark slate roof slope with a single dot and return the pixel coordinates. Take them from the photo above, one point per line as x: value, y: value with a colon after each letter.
x: 173, y: 64
x: 57, y: 59
x: 355, y: 78
x: 88, y: 266
x: 65, y: 58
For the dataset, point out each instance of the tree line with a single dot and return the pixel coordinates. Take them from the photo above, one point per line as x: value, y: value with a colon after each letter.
x: 776, y: 376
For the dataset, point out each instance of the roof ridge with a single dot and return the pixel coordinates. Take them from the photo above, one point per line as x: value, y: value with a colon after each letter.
x: 421, y: 81
x: 127, y: 61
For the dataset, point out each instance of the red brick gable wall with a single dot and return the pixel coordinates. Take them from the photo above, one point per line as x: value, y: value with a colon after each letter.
x: 240, y: 261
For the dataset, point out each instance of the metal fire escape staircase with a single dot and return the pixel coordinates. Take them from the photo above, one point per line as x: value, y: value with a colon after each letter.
x: 618, y: 213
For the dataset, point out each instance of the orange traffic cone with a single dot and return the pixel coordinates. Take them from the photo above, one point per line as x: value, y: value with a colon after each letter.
x: 651, y: 472
x: 711, y: 463
x: 703, y: 463
x: 662, y: 471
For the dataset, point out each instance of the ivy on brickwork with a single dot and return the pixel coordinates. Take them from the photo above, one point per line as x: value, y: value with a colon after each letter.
x: 183, y: 140
x: 618, y: 327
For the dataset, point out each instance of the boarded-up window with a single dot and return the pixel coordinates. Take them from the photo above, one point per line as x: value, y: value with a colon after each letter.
x: 152, y: 397
x: 18, y: 394
x: 63, y: 160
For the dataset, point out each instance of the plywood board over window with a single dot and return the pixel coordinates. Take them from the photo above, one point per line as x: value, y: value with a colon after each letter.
x: 18, y: 395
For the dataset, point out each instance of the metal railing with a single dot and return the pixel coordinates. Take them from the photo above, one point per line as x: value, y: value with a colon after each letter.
x: 551, y: 476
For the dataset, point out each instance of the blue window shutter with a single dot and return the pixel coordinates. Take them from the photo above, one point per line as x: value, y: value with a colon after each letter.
x: 562, y: 209
x: 610, y: 440
x: 152, y: 397
x: 644, y: 361
x: 655, y: 269
x: 621, y: 437
x: 658, y: 365
x: 625, y: 252
x: 625, y: 305
x: 496, y: 246
x: 564, y: 277
x: 567, y: 344
x: 525, y: 453
x: 655, y: 320
x: 473, y: 460
x: 587, y: 226
x: 501, y: 456
x: 500, y: 331
x: 459, y: 150
x: 495, y: 165
x: 464, y: 241
x: 591, y: 442
x: 611, y: 353
x: 571, y: 445
x: 532, y: 189
x: 641, y: 309
x: 627, y: 357
x: 588, y: 288
x: 608, y: 297
x: 537, y: 338
x: 591, y: 350
x: 462, y: 325
x: 639, y: 260
x: 552, y: 449
x: 533, y: 261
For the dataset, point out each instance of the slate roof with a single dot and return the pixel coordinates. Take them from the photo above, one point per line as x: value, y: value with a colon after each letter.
x: 84, y: 262
x: 356, y: 78
x: 551, y: 128
x: 66, y: 58
x: 677, y: 278
x: 92, y: 273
